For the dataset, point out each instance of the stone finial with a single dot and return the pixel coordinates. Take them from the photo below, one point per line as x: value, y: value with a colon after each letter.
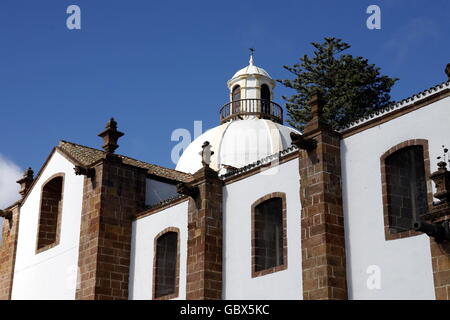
x: 441, y: 179
x: 252, y: 52
x: 110, y: 136
x: 447, y: 71
x: 206, y: 154
x: 316, y: 104
x: 26, y: 181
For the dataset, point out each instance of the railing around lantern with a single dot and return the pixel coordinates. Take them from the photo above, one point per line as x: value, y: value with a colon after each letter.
x: 264, y: 109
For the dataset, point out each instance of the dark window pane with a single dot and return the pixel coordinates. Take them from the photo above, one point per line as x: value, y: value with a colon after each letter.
x: 166, y: 264
x: 236, y: 96
x: 265, y: 97
x: 268, y: 234
x: 406, y: 186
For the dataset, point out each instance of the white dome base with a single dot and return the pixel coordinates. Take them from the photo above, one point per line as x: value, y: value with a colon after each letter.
x: 237, y: 143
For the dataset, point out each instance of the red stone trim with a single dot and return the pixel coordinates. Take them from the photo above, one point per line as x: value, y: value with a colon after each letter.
x: 160, y: 208
x: 38, y: 175
x: 264, y: 167
x: 59, y: 217
x: 177, y: 276
x: 68, y: 157
x: 440, y: 259
x: 397, y: 113
x: 426, y: 157
x: 204, y: 279
x: 283, y: 266
x: 110, y: 199
x: 8, y: 250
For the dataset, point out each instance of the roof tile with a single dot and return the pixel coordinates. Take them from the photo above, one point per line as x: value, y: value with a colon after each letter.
x: 87, y: 156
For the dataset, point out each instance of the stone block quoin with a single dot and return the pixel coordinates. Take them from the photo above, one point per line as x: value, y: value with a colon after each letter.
x: 177, y: 267
x: 205, y: 237
x: 111, y: 199
x: 8, y: 249
x: 322, y: 219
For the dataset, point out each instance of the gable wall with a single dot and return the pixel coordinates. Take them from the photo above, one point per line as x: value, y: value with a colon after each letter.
x: 145, y: 230
x: 404, y: 264
x: 51, y: 274
x: 238, y: 198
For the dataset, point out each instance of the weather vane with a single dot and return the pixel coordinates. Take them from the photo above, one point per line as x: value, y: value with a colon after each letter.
x: 252, y: 51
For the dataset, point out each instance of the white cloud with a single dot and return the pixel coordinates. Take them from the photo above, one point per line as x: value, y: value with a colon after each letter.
x: 9, y: 174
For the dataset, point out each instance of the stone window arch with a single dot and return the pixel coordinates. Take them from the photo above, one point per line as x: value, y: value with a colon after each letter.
x: 50, y: 213
x: 166, y: 264
x: 406, y: 188
x: 269, y: 234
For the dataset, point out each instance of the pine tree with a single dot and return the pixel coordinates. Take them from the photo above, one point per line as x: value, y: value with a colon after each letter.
x: 351, y: 87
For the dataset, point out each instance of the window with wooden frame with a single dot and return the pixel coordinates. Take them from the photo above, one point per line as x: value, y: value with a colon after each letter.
x: 269, y: 238
x: 166, y: 265
x: 406, y: 190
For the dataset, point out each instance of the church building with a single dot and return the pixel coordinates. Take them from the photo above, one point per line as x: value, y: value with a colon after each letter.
x: 253, y: 210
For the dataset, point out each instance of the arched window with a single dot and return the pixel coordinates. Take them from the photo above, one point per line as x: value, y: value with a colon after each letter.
x: 265, y: 97
x: 269, y: 243
x: 235, y: 97
x: 406, y: 187
x: 166, y: 265
x: 50, y: 213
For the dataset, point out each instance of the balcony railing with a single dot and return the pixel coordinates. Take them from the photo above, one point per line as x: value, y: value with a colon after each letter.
x: 263, y: 109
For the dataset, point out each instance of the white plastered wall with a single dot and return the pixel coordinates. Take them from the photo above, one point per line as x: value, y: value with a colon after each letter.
x: 237, y: 201
x: 51, y: 274
x: 404, y: 264
x: 145, y: 231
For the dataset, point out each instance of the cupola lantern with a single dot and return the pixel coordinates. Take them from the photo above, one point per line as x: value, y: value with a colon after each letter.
x: 251, y: 94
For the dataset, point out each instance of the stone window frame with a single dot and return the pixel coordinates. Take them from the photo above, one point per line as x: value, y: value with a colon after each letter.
x: 284, y: 265
x: 385, y: 197
x: 177, y: 268
x: 59, y: 217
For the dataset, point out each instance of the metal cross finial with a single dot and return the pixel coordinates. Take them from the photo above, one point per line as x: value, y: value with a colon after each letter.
x: 252, y: 52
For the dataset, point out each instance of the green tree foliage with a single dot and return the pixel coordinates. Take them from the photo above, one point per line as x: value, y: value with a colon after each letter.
x: 351, y: 87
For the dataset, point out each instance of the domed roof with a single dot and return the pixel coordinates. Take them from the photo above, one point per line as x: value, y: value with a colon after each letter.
x: 237, y: 143
x: 251, y: 69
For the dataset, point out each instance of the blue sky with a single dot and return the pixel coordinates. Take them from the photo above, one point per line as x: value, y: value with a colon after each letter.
x: 159, y: 65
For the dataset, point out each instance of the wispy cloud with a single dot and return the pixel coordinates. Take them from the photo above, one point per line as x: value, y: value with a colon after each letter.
x: 9, y: 174
x: 412, y: 36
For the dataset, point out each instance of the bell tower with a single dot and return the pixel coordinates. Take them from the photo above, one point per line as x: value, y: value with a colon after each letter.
x: 251, y: 82
x: 251, y: 94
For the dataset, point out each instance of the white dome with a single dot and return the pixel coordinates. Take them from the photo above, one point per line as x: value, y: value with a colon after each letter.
x: 237, y: 143
x: 251, y: 69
